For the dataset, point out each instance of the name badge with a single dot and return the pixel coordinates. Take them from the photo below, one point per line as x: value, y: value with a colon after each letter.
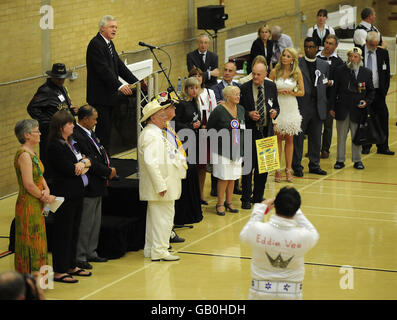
x: 242, y: 126
x: 61, y: 97
x: 329, y: 62
x: 270, y: 102
x: 78, y: 156
x: 325, y: 81
x: 384, y: 67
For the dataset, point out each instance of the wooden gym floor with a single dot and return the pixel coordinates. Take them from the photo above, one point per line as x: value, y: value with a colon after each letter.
x: 354, y: 211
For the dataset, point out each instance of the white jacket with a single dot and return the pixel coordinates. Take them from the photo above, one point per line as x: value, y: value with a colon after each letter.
x: 278, y: 246
x: 161, y: 166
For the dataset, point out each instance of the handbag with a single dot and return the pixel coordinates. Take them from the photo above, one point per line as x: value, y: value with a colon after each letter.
x: 369, y: 130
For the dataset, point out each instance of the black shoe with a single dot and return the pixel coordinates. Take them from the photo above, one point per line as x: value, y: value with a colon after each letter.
x: 203, y: 202
x: 298, y: 173
x: 318, y: 171
x: 176, y: 239
x: 245, y: 205
x: 358, y: 165
x: 84, y: 265
x: 227, y: 207
x: 252, y: 200
x: 214, y: 193
x: 97, y: 259
x: 339, y: 165
x: 219, y: 213
x: 386, y: 152
x: 365, y: 151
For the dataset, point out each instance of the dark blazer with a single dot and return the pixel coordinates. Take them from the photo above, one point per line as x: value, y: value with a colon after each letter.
x: 211, y: 62
x: 103, y: 71
x: 218, y: 88
x: 257, y: 49
x: 62, y: 179
x: 345, y: 96
x: 99, y: 170
x: 305, y: 101
x: 248, y: 102
x: 382, y: 59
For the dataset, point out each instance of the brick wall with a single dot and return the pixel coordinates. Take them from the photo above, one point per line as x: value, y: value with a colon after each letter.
x: 76, y: 22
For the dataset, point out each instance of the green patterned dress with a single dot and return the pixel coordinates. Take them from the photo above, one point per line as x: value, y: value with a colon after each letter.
x: 30, y: 232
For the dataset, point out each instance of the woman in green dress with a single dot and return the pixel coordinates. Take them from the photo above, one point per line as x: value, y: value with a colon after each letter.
x: 228, y: 117
x: 30, y: 233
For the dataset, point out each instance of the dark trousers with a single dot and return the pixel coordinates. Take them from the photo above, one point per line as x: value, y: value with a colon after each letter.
x: 327, y: 132
x: 44, y: 129
x: 65, y: 235
x: 379, y: 107
x: 259, y: 179
x: 312, y: 126
x: 103, y: 127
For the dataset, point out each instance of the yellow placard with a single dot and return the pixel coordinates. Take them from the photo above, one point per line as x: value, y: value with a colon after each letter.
x: 267, y: 154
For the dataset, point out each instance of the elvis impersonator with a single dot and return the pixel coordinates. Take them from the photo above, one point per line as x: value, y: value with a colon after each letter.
x: 278, y: 247
x: 162, y: 167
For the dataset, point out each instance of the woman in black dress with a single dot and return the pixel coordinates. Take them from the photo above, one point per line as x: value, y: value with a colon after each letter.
x: 262, y: 46
x: 188, y: 119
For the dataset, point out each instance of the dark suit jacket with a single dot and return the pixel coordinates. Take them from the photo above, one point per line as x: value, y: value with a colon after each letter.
x: 382, y: 59
x: 99, y: 170
x: 211, y: 62
x: 218, y: 88
x: 103, y: 71
x: 305, y: 101
x: 248, y: 102
x: 345, y: 96
x: 62, y: 179
x: 257, y: 49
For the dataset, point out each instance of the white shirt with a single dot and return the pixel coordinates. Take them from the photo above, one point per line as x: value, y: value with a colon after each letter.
x: 207, y: 101
x: 360, y: 35
x: 204, y: 56
x: 107, y: 42
x: 320, y: 33
x: 289, y: 239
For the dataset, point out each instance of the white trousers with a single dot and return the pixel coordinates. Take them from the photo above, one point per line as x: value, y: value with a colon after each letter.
x: 259, y: 295
x: 159, y: 223
x: 275, y: 290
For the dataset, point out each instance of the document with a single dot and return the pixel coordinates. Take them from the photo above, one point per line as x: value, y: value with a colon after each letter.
x: 267, y: 153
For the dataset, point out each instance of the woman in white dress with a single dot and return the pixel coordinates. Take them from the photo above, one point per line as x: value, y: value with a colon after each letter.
x: 289, y: 81
x: 207, y: 102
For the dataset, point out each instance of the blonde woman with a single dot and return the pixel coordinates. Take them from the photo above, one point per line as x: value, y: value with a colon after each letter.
x: 262, y: 46
x: 289, y: 81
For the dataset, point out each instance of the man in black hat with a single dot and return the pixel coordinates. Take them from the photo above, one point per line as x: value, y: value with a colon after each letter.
x: 49, y: 98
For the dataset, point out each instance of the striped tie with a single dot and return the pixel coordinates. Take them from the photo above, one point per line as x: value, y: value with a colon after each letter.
x: 260, y: 103
x: 110, y: 48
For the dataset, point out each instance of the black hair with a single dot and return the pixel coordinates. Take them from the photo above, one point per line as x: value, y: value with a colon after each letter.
x: 366, y: 13
x: 322, y: 12
x: 59, y: 119
x: 287, y: 202
x: 310, y: 39
x: 85, y: 111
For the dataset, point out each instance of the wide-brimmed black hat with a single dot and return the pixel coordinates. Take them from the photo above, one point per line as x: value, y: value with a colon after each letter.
x: 59, y: 71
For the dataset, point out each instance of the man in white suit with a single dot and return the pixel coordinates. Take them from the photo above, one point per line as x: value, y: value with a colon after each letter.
x: 162, y: 167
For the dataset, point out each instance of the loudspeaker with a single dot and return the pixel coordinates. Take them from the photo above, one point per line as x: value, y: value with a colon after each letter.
x: 211, y: 17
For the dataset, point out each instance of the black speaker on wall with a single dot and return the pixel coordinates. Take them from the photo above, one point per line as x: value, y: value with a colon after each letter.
x: 211, y: 17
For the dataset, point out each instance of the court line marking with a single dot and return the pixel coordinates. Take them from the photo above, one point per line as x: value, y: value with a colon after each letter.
x: 353, y: 210
x: 208, y: 235
x: 306, y: 263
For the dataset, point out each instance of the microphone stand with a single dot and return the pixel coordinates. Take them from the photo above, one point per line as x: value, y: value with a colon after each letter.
x: 163, y: 71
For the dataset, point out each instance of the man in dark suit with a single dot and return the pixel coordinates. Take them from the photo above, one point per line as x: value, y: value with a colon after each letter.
x: 377, y: 60
x: 103, y: 70
x: 229, y: 71
x: 49, y: 98
x: 351, y: 93
x: 204, y: 59
x: 313, y: 108
x: 329, y: 54
x: 259, y: 99
x: 99, y: 173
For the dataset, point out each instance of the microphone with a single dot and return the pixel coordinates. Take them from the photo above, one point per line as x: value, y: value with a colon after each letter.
x: 143, y: 44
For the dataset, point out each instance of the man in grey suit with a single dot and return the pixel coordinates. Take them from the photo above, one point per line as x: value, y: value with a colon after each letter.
x: 313, y: 108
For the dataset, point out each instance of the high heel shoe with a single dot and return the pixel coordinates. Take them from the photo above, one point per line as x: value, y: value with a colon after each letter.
x: 227, y: 207
x: 219, y: 213
x: 277, y: 176
x: 289, y: 176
